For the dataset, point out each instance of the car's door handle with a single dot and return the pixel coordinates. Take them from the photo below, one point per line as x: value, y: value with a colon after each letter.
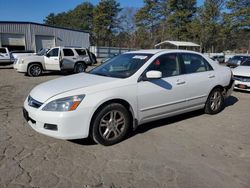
x: 73, y: 58
x: 211, y: 76
x: 180, y: 82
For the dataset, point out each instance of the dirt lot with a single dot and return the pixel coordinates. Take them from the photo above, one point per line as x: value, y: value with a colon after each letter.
x: 191, y: 150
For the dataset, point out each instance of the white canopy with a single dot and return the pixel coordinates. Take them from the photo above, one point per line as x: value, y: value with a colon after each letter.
x: 178, y: 43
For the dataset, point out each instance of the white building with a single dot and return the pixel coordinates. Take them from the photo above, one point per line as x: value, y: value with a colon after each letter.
x: 34, y: 36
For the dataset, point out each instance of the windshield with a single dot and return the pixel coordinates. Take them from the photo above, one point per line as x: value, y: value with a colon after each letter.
x: 122, y: 66
x: 42, y: 52
x: 246, y: 63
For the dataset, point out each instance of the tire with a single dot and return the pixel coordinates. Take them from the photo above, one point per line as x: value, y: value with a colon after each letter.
x: 110, y: 125
x: 34, y: 70
x: 215, y: 102
x: 79, y: 67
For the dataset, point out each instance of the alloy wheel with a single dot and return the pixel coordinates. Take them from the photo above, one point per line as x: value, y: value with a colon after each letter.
x: 215, y: 101
x: 112, y: 125
x: 35, y: 70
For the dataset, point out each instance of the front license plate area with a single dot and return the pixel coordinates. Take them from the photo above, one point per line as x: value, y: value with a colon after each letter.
x: 242, y: 86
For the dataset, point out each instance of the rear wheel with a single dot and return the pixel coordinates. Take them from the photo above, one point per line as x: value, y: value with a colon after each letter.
x: 215, y: 102
x: 34, y: 70
x: 111, y: 124
x: 79, y: 67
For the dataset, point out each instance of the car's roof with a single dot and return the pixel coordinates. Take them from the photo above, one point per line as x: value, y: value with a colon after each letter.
x: 244, y: 55
x: 155, y: 51
x: 69, y: 47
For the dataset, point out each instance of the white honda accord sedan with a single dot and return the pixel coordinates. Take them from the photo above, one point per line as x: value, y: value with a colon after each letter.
x: 126, y: 91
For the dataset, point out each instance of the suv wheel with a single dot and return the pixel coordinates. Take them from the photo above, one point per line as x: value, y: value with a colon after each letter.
x: 111, y: 124
x: 80, y: 67
x: 34, y: 70
x: 215, y: 102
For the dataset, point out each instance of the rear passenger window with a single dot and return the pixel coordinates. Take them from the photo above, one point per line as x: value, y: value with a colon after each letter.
x: 81, y: 51
x: 194, y: 63
x: 68, y: 52
x: 167, y: 64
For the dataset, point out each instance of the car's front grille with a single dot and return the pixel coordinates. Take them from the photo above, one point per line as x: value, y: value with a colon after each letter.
x: 242, y: 78
x: 34, y: 103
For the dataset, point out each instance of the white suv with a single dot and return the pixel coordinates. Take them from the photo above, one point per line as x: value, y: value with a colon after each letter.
x: 126, y: 91
x: 56, y: 59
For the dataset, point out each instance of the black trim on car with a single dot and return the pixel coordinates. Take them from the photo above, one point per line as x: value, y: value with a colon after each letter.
x: 34, y: 103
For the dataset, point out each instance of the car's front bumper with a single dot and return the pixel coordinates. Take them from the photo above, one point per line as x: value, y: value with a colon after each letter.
x: 245, y: 86
x: 62, y: 125
x: 20, y: 67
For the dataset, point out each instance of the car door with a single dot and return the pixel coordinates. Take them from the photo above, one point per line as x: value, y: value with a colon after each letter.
x: 4, y: 55
x: 200, y: 78
x: 51, y: 59
x: 159, y: 97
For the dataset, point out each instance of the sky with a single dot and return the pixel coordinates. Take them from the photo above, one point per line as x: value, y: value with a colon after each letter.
x: 37, y: 10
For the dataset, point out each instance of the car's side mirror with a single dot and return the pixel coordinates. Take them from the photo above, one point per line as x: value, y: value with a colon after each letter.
x: 238, y: 62
x: 154, y: 74
x: 47, y: 55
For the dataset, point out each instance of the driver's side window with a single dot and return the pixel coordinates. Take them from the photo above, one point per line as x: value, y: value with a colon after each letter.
x: 167, y: 64
x: 53, y: 53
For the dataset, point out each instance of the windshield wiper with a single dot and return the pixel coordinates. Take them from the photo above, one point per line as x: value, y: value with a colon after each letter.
x: 100, y: 74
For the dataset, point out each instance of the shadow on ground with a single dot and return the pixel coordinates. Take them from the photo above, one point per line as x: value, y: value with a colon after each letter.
x: 55, y: 73
x: 6, y: 67
x: 84, y: 141
x: 230, y: 101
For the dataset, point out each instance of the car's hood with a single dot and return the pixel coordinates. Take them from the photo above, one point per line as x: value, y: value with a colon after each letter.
x: 51, y: 88
x: 242, y: 71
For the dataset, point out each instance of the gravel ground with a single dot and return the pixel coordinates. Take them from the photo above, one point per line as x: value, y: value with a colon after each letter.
x: 191, y: 150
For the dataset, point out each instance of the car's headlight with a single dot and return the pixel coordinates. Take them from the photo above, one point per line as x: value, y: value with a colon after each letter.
x: 64, y: 104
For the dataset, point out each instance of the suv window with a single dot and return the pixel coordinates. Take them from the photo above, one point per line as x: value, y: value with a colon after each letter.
x: 54, y: 52
x: 68, y: 52
x: 194, y: 63
x: 168, y: 64
x: 3, y: 50
x: 81, y: 51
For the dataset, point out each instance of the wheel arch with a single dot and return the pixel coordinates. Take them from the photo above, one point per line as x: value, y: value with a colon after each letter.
x: 32, y: 63
x: 83, y: 62
x: 223, y: 90
x: 123, y: 102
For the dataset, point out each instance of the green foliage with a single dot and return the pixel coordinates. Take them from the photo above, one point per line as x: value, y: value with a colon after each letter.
x: 179, y: 15
x: 149, y: 15
x: 105, y: 21
x: 210, y: 16
x: 79, y: 18
x: 217, y: 25
x: 148, y: 20
x: 239, y: 14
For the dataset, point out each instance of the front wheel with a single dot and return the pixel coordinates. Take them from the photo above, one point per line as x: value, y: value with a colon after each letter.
x: 111, y: 124
x: 215, y: 102
x: 79, y: 67
x: 34, y: 70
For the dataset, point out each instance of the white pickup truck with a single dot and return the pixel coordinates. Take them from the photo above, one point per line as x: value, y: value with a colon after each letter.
x: 56, y: 59
x: 5, y: 56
